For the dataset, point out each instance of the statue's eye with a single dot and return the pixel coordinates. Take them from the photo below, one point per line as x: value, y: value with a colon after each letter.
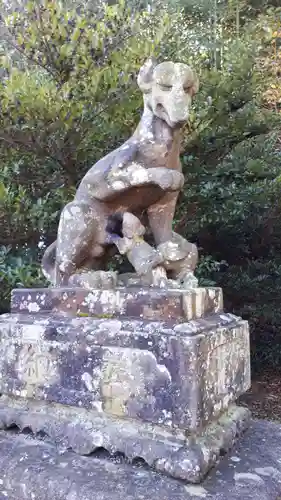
x: 187, y: 89
x: 166, y: 88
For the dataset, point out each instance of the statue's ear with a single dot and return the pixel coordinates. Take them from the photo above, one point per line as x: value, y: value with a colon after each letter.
x: 146, y: 74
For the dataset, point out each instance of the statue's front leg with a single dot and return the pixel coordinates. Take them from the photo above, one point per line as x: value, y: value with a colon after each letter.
x: 168, y: 179
x: 135, y: 175
x: 180, y: 256
x: 160, y: 218
x: 180, y: 259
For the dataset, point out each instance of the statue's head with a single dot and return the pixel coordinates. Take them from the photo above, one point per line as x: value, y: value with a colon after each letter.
x: 168, y: 89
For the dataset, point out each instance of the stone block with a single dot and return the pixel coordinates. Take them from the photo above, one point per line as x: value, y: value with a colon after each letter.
x: 179, y: 375
x: 145, y: 303
x: 170, y: 452
x: 82, y: 367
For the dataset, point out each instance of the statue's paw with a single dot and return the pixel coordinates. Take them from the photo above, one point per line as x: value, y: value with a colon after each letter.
x: 94, y: 279
x: 172, y: 251
x: 159, y: 277
x: 137, y: 175
x: 172, y: 180
x: 179, y: 249
x: 178, y: 181
x: 134, y: 175
x: 188, y: 280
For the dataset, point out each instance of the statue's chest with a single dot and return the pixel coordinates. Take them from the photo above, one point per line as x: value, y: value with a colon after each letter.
x: 137, y: 199
x: 155, y: 154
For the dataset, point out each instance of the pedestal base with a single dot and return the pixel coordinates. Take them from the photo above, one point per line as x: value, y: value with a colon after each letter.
x: 163, y: 391
x: 168, y: 451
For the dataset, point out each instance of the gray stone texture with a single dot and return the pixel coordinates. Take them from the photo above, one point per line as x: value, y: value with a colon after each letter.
x: 33, y: 469
x: 163, y: 391
x: 141, y: 302
x: 151, y: 372
x: 178, y: 375
x: 168, y: 451
x: 131, y: 189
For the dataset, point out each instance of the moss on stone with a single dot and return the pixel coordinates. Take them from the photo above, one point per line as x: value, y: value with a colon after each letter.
x: 98, y: 316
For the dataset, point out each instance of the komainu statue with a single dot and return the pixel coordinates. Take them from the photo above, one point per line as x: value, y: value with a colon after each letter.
x: 145, y: 364
x: 132, y: 189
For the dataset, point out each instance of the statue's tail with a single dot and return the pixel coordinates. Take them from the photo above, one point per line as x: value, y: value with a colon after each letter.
x: 49, y: 262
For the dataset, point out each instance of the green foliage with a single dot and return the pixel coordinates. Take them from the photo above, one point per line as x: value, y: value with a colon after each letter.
x: 17, y: 270
x: 67, y: 69
x: 231, y: 203
x: 206, y: 270
x: 253, y: 291
x: 68, y: 96
x: 68, y: 72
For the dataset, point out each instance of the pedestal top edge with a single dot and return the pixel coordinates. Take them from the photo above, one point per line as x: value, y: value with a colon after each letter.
x: 129, y: 289
x: 116, y: 325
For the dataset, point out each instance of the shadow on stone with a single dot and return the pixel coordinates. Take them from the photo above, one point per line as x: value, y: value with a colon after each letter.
x: 139, y: 462
x: 101, y: 453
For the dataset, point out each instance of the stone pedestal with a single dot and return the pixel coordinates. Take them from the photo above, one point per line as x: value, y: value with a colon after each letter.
x: 143, y: 303
x: 149, y: 373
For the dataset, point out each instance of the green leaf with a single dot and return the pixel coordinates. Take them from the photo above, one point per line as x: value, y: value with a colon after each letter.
x: 3, y: 192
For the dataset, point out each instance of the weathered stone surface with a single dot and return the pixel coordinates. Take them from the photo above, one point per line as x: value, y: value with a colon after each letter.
x: 157, y: 278
x: 170, y: 452
x: 137, y: 302
x: 139, y: 181
x: 176, y: 375
x: 164, y: 391
x: 36, y: 470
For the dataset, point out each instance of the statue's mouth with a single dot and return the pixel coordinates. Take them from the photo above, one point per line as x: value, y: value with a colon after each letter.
x: 162, y: 113
x: 160, y: 108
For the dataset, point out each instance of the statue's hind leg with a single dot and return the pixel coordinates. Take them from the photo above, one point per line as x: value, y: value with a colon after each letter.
x: 94, y: 273
x: 81, y: 233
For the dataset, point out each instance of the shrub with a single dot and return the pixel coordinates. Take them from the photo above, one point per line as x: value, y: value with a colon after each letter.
x: 68, y: 96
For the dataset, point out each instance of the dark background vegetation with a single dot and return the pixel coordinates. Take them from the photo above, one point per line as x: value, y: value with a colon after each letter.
x: 68, y: 96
